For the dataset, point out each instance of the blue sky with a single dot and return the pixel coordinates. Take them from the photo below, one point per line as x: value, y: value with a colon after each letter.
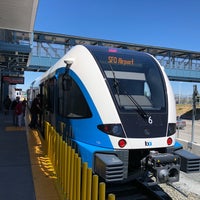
x: 171, y: 23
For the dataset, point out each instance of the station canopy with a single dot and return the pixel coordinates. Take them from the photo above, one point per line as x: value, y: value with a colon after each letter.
x: 17, y: 18
x: 18, y: 14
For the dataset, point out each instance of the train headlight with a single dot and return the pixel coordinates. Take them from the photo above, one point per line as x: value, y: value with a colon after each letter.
x: 112, y: 129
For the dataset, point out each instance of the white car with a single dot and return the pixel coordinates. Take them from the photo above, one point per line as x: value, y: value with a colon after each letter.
x: 180, y: 123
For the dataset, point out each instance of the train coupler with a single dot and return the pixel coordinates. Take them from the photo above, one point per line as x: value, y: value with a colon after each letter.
x: 165, y: 167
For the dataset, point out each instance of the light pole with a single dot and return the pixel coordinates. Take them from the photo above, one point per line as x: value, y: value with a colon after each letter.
x: 195, y: 94
x: 179, y: 93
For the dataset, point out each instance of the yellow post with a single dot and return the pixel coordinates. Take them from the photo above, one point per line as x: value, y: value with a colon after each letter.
x: 47, y: 138
x: 84, y: 181
x: 102, y: 191
x: 61, y: 161
x: 111, y: 197
x: 71, y: 174
x: 78, y: 181
x: 95, y: 182
x: 60, y: 158
x: 63, y: 165
x: 55, y: 153
x: 68, y: 170
x: 65, y: 169
x: 89, y: 183
x: 50, y: 143
x: 51, y: 146
x: 75, y: 176
x: 46, y: 131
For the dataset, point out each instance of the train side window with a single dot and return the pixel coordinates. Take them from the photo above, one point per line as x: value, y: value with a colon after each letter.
x: 50, y: 95
x: 66, y: 83
x: 72, y: 101
x: 60, y: 96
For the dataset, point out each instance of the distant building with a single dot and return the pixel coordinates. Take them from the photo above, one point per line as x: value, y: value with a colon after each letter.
x: 14, y: 92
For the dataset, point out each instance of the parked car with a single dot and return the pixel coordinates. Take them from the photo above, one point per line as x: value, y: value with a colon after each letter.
x: 180, y: 123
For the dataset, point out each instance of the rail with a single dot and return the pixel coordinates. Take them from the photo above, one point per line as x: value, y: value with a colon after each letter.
x: 75, y: 179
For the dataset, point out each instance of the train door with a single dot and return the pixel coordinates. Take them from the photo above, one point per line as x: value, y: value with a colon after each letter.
x: 49, y: 101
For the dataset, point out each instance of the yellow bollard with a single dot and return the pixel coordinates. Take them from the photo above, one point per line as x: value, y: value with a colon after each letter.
x: 55, y: 151
x: 47, y: 135
x: 71, y: 174
x: 78, y: 181
x: 102, y: 191
x: 111, y: 197
x: 63, y: 165
x: 65, y: 169
x: 75, y: 176
x: 84, y: 181
x: 46, y: 131
x: 48, y: 139
x: 89, y: 183
x: 60, y: 158
x: 50, y: 143
x: 68, y: 170
x: 95, y: 182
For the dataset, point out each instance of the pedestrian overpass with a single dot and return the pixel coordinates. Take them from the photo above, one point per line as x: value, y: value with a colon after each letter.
x: 21, y: 52
x: 180, y: 65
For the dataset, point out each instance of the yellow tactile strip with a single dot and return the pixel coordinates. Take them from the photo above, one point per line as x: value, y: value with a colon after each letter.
x: 44, y: 176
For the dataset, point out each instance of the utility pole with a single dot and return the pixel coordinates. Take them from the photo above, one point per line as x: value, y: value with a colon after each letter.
x: 195, y: 96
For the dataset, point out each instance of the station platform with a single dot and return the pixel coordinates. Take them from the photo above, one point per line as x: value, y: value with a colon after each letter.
x: 25, y: 170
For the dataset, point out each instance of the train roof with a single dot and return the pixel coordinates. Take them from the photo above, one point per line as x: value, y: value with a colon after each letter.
x: 92, y: 48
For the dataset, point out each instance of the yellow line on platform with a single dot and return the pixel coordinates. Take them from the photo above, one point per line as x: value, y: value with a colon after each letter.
x: 14, y: 128
x: 44, y: 176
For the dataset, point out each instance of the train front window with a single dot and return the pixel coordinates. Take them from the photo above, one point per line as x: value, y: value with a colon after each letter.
x: 133, y: 75
x: 144, y: 89
x: 130, y: 89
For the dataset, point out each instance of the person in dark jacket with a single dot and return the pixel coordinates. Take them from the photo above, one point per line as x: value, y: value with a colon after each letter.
x: 35, y: 111
x: 13, y: 107
x: 7, y: 103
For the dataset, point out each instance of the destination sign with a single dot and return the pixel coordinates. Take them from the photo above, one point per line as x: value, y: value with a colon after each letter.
x: 120, y: 61
x: 13, y: 79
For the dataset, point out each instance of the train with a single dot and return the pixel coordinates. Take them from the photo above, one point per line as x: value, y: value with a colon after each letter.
x: 116, y: 107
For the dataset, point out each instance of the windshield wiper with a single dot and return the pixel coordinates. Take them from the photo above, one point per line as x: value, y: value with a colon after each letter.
x: 119, y: 90
x: 116, y: 85
x: 140, y: 110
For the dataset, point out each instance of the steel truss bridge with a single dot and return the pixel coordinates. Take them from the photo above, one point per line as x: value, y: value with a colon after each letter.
x: 37, y: 51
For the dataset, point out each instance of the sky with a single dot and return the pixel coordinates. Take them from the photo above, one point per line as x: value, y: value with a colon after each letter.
x: 171, y: 23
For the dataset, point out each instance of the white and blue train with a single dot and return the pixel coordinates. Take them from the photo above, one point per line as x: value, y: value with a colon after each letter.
x: 117, y: 108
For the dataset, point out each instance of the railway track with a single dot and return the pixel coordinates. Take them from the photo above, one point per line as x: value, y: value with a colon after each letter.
x: 137, y: 190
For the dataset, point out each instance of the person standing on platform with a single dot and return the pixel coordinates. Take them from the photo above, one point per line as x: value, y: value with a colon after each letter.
x: 35, y: 111
x: 13, y: 106
x: 7, y: 103
x: 19, y: 110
